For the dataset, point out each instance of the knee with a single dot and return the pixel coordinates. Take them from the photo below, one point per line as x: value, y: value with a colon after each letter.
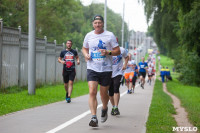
x: 93, y: 93
x: 116, y: 90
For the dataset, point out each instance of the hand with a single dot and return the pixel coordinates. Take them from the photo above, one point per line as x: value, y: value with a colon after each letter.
x: 78, y: 62
x: 87, y: 57
x: 124, y: 67
x: 62, y: 62
x: 103, y: 52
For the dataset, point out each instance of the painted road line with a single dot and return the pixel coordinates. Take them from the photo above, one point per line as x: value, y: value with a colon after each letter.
x: 75, y: 119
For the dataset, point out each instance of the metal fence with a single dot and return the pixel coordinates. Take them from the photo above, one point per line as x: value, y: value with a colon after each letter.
x: 14, y: 60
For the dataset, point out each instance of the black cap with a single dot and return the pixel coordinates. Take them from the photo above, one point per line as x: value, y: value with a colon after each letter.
x: 98, y: 17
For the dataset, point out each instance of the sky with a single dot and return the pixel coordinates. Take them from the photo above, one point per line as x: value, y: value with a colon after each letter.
x: 133, y: 14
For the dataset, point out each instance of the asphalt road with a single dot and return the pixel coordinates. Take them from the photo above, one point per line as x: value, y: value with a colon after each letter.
x: 74, y: 117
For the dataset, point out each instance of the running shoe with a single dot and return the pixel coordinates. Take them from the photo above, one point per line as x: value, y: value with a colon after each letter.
x: 116, y: 111
x: 112, y: 111
x: 104, y: 115
x: 68, y: 100
x: 93, y: 122
x: 142, y: 86
x: 130, y: 91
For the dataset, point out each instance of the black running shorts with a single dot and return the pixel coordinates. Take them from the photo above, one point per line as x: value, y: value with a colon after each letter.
x: 103, y: 78
x: 68, y: 75
x: 114, y: 85
x: 143, y: 74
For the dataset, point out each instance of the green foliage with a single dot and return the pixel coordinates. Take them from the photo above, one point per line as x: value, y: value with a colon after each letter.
x: 60, y: 19
x: 176, y: 30
x: 190, y: 71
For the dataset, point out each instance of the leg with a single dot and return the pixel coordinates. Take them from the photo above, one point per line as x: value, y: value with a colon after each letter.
x: 92, y: 96
x: 116, y: 90
x: 104, y: 96
x: 70, y: 88
x: 66, y: 88
x: 116, y: 99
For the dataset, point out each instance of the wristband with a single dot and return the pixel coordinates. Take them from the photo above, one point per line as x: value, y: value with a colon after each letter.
x: 110, y: 53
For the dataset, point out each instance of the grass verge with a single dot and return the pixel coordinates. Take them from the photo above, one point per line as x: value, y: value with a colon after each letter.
x: 160, y: 113
x: 189, y: 97
x: 13, y: 102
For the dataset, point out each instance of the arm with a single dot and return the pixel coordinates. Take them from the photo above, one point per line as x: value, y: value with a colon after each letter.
x: 125, y: 63
x: 77, y: 60
x: 115, y: 51
x: 60, y: 60
x: 85, y: 52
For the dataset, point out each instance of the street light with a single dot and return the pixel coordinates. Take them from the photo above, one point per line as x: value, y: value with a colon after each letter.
x: 105, y: 15
x: 123, y: 25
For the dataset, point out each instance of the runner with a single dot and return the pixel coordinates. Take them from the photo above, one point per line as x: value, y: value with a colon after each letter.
x: 153, y: 73
x: 67, y: 58
x: 129, y: 74
x: 142, y: 71
x: 117, y: 74
x: 135, y: 67
x: 150, y: 70
x: 98, y: 48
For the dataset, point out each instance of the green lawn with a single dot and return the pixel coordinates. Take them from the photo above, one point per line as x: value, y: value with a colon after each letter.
x: 188, y: 95
x: 15, y: 101
x: 160, y: 118
x: 190, y: 99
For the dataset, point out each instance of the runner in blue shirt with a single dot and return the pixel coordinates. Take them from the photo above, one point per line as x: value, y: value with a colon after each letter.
x: 135, y: 75
x: 142, y: 71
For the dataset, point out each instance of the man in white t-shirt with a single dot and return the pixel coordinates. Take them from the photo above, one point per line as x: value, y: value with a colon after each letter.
x: 98, y: 48
x: 118, y: 67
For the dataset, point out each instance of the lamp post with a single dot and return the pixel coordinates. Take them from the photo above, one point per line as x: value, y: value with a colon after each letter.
x: 31, y: 47
x: 123, y: 25
x: 105, y: 15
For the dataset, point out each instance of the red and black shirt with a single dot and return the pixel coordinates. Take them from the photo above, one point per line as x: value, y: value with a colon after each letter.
x: 69, y: 58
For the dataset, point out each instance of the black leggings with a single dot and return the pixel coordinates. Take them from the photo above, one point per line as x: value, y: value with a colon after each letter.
x: 134, y: 80
x: 114, y: 85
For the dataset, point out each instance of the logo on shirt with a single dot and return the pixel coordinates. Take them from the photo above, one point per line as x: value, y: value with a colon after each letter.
x: 69, y: 59
x: 116, y: 59
x: 100, y: 44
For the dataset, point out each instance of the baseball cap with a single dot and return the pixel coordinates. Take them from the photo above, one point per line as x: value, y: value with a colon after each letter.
x: 98, y: 17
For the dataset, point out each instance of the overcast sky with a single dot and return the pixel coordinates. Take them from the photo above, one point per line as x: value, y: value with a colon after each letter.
x: 134, y: 12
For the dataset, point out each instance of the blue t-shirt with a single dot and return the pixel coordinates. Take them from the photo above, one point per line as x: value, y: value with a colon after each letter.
x: 142, y: 66
x: 135, y: 73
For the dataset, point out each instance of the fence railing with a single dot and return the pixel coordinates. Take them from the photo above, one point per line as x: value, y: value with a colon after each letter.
x: 14, y: 59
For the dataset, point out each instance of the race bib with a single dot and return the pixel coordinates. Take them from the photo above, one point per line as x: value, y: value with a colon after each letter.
x: 96, y: 56
x: 142, y: 66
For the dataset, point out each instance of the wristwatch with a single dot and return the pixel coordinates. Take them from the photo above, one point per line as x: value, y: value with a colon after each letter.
x: 110, y: 53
